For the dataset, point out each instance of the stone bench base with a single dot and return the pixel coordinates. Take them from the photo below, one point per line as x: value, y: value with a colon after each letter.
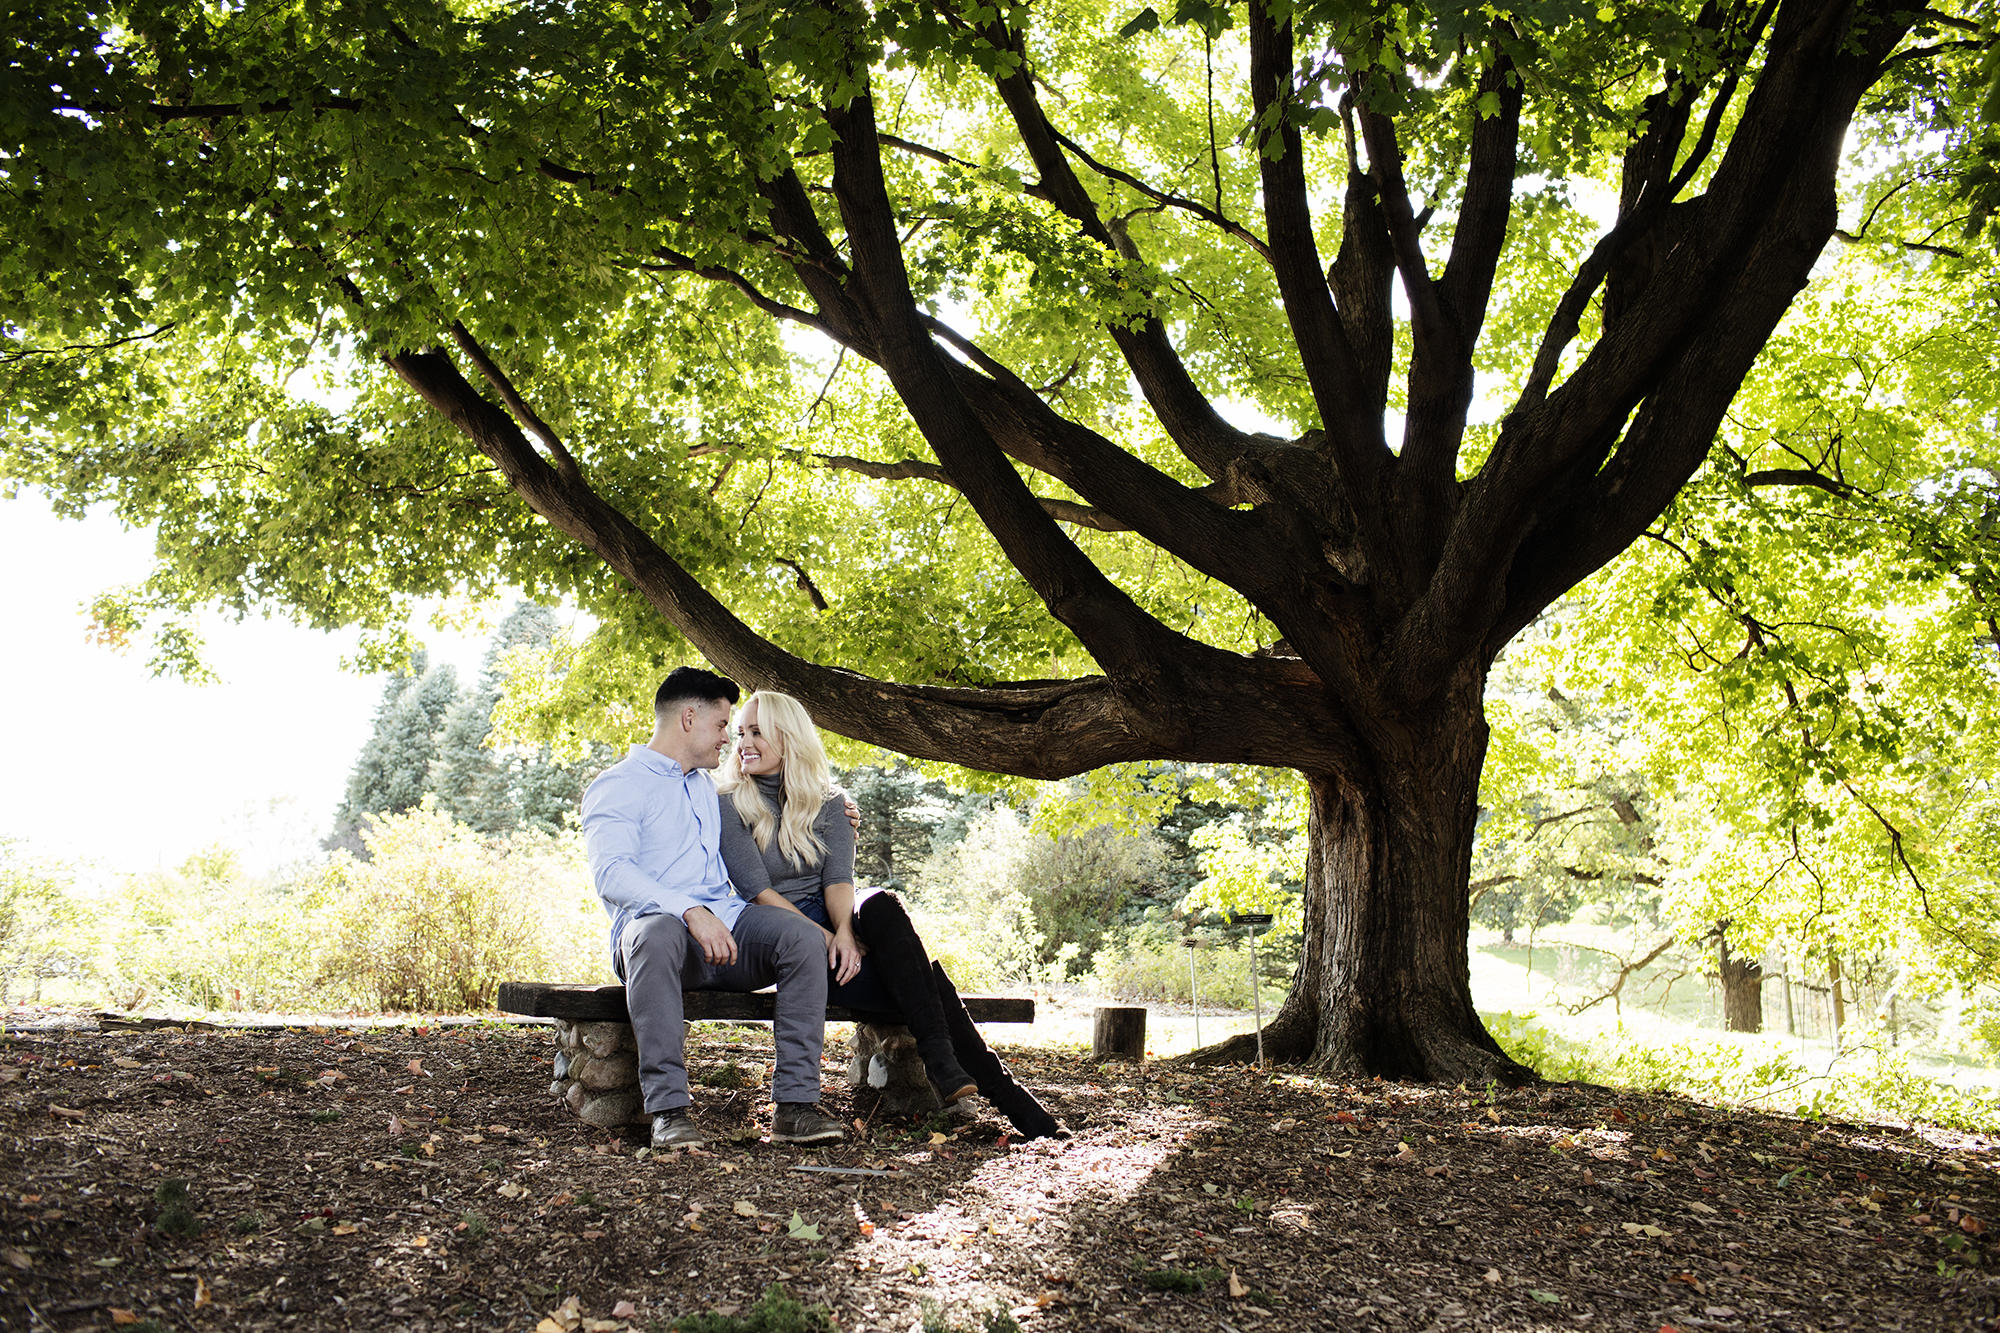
x: 597, y: 1061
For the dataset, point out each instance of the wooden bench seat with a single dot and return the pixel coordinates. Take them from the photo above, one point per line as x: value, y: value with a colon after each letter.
x: 606, y: 1004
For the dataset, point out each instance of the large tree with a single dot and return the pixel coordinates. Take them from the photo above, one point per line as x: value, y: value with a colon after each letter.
x: 1053, y: 250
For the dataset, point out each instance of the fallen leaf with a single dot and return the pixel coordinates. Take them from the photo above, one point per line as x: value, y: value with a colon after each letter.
x: 111, y: 1262
x: 1644, y: 1229
x: 119, y: 1316
x: 509, y: 1190
x: 17, y: 1258
x: 728, y: 1168
x: 345, y: 1229
x: 550, y: 1326
x: 1491, y: 1275
x: 1211, y: 1189
x: 867, y: 1229
x: 1971, y: 1224
x: 126, y: 1062
x: 800, y: 1229
x: 395, y: 1126
x: 593, y: 1235
x: 624, y: 1310
x: 1719, y: 1312
x: 1700, y: 1207
x: 1545, y: 1297
x: 201, y: 1296
x: 745, y: 1208
x: 66, y: 1113
x: 1237, y: 1290
x: 940, y: 1138
x: 420, y: 1242
x: 1691, y: 1280
x: 417, y: 1068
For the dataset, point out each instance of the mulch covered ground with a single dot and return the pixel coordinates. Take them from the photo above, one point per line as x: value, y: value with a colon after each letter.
x: 423, y: 1180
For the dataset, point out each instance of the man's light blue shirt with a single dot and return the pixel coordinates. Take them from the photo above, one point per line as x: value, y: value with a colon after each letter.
x: 653, y: 831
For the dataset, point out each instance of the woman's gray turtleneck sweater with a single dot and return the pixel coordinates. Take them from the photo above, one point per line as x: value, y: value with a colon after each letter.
x: 753, y: 869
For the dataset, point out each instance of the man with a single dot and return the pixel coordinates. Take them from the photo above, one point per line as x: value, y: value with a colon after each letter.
x: 652, y: 827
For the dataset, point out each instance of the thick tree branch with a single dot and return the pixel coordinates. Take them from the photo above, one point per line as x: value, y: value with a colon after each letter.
x: 1677, y: 356
x: 1799, y: 476
x: 1352, y: 421
x: 1041, y: 729
x: 524, y: 414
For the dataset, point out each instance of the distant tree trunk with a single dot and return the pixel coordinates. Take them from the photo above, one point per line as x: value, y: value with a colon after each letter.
x: 1742, y: 986
x: 1839, y: 1001
x: 1384, y: 986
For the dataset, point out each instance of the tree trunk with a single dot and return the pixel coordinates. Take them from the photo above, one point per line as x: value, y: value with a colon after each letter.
x: 1742, y: 987
x: 1384, y: 984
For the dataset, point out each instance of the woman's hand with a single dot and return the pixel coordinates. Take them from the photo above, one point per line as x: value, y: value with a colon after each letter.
x: 843, y: 954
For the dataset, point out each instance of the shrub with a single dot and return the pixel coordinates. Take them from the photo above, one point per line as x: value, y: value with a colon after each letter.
x: 439, y: 915
x: 1152, y: 964
x: 43, y: 928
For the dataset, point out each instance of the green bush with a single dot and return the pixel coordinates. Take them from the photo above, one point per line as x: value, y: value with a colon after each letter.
x: 434, y: 922
x: 1865, y: 1082
x: 1152, y: 964
x: 44, y: 929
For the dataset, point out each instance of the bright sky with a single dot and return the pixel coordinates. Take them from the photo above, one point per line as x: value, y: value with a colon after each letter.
x: 106, y: 764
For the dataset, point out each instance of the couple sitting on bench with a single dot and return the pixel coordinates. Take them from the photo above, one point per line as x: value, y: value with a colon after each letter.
x: 746, y: 881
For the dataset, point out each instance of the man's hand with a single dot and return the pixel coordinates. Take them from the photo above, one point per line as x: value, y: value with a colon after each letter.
x: 843, y: 955
x: 718, y: 946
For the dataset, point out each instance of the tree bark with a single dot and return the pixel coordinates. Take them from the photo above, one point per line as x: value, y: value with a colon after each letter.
x: 1384, y: 985
x: 1742, y: 987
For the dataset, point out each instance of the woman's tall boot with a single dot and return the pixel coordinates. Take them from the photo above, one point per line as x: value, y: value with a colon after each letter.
x: 996, y: 1082
x: 898, y: 958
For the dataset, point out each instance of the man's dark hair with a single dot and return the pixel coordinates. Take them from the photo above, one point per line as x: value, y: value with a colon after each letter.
x: 692, y: 685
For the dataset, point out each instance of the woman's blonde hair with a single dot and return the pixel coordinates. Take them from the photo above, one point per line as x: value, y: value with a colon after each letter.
x: 808, y: 780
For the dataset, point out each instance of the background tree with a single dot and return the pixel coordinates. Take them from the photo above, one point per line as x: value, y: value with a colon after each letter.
x: 393, y: 770
x: 570, y: 234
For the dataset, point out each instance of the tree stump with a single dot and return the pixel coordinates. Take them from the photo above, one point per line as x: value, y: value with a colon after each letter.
x: 1119, y: 1033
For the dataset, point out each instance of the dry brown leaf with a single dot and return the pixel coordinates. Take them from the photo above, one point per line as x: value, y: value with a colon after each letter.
x: 1237, y: 1290
x: 420, y: 1242
x: 940, y: 1138
x: 121, y: 1316
x: 624, y: 1310
x: 417, y: 1068
x: 201, y: 1296
x: 17, y: 1258
x: 395, y: 1127
x: 344, y: 1229
x: 1699, y: 1206
x: 66, y: 1113
x: 126, y: 1062
x: 745, y: 1208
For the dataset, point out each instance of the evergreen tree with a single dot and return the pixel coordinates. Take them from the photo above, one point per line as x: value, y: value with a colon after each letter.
x: 475, y: 783
x: 393, y: 770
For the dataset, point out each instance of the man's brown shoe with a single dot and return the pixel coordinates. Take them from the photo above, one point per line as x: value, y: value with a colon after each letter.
x: 801, y: 1122
x: 674, y: 1129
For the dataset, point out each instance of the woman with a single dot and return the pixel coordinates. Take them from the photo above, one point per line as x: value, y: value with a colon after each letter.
x: 787, y: 843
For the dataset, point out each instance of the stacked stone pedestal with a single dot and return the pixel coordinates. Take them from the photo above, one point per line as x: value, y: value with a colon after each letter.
x: 597, y: 1072
x: 884, y: 1057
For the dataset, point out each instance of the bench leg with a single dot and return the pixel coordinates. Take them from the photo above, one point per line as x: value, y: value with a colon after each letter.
x: 597, y: 1072
x: 885, y: 1058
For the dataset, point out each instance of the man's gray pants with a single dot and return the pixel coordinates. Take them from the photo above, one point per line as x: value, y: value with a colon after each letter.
x: 657, y: 959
